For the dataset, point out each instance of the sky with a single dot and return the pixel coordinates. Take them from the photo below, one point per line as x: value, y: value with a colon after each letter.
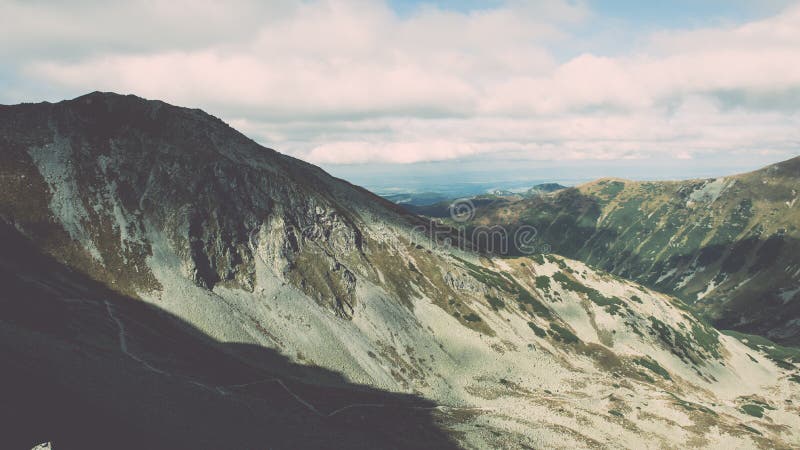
x: 385, y: 92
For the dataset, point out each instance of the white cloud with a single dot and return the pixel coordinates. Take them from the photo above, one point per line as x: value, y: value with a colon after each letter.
x: 352, y: 81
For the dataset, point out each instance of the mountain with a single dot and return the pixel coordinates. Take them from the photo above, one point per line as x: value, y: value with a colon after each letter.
x: 539, y: 189
x: 441, y: 208
x: 544, y: 188
x: 167, y: 282
x: 87, y: 367
x: 416, y: 199
x: 497, y: 198
x: 727, y: 246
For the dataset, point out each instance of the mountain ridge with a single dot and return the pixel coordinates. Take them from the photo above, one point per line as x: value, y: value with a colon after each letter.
x: 662, y: 233
x: 174, y: 210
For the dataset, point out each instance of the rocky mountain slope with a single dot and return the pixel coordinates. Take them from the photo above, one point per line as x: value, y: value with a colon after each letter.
x: 729, y: 246
x: 87, y: 367
x: 158, y: 257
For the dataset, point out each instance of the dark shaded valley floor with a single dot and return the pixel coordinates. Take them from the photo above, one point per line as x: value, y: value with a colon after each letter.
x: 66, y: 379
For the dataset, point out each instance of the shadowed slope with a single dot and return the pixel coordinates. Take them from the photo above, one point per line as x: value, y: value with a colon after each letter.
x: 68, y: 379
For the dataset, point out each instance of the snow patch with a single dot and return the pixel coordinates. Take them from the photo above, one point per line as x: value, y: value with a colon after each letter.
x: 710, y: 288
x: 709, y: 192
x: 667, y: 275
x: 788, y: 295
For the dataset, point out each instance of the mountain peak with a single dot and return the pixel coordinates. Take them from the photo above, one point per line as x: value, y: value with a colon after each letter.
x: 94, y: 95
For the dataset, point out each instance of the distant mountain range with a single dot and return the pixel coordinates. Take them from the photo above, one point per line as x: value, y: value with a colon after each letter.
x: 413, y: 199
x: 728, y: 246
x: 437, y: 205
x: 169, y: 283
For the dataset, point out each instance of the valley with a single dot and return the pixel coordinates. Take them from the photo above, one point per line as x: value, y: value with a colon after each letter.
x: 727, y: 246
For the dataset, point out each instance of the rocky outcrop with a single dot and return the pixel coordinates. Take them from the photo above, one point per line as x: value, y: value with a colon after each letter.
x: 121, y: 172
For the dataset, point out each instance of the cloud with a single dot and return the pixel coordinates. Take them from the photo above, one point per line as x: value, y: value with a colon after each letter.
x: 352, y: 81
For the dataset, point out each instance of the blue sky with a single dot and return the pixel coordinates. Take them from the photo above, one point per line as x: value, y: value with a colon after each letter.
x: 687, y: 13
x: 490, y: 89
x: 659, y: 13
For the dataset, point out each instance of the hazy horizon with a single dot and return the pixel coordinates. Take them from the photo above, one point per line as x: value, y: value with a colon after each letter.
x: 470, y: 177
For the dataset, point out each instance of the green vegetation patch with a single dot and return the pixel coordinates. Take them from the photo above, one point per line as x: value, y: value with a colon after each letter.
x: 611, y: 188
x: 753, y: 410
x: 538, y: 258
x: 525, y: 298
x: 472, y: 317
x: 562, y: 334
x: 653, y: 366
x: 706, y: 337
x: 538, y: 330
x: 784, y: 357
x: 543, y: 283
x: 507, y: 283
x: 559, y: 262
x: 495, y: 302
x: 676, y: 341
x: 612, y: 305
x: 689, y: 406
x: 570, y: 284
x: 701, y: 339
x: 488, y: 277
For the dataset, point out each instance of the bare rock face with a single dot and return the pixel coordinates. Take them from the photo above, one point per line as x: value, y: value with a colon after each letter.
x: 115, y: 173
x: 463, y: 282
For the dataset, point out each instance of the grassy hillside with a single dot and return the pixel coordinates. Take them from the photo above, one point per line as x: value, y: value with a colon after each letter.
x: 730, y: 246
